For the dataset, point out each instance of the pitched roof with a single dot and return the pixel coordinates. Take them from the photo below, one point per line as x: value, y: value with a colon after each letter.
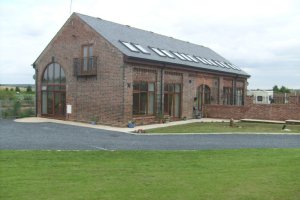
x: 117, y: 33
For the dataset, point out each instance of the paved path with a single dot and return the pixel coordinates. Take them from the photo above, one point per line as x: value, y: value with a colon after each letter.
x: 52, y: 136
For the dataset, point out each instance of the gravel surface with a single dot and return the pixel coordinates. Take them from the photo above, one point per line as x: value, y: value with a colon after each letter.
x: 51, y: 136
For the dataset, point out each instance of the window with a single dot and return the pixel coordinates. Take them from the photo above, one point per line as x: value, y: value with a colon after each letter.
x: 260, y: 98
x: 130, y: 46
x: 87, y: 55
x: 142, y: 49
x: 227, y: 96
x: 239, y: 96
x: 53, y: 91
x: 203, y: 96
x: 158, y: 52
x: 191, y: 57
x: 179, y: 56
x: 143, y: 98
x: 167, y: 53
x: 212, y: 62
x: 87, y: 64
x: 186, y: 57
x: 202, y: 60
x: 172, y: 99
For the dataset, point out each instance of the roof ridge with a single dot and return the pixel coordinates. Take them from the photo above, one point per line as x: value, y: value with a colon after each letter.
x: 129, y: 26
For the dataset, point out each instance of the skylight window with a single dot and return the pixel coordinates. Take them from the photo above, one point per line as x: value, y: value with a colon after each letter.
x: 202, y: 60
x: 167, y: 53
x: 222, y: 63
x: 212, y: 62
x: 142, y: 49
x: 232, y: 65
x: 185, y: 56
x: 193, y: 59
x: 158, y: 52
x: 130, y: 46
x: 208, y: 61
x: 179, y: 56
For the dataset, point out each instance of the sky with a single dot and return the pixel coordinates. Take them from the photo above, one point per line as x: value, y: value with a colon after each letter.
x: 260, y: 36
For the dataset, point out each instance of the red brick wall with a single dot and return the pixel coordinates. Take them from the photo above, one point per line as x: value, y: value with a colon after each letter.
x: 254, y: 111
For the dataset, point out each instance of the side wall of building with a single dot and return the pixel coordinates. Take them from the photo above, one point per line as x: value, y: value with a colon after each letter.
x: 99, y: 97
x: 190, y: 82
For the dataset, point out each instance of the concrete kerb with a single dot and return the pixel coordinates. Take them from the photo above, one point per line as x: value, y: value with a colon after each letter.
x: 134, y: 131
x: 110, y: 128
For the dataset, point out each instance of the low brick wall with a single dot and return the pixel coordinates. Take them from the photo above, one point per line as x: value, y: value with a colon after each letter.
x: 254, y: 111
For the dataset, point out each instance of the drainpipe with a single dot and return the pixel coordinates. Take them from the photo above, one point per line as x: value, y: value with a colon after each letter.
x: 162, y: 90
x: 36, y: 88
x: 234, y: 91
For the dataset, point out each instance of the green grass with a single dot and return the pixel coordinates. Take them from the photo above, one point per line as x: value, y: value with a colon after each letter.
x: 222, y: 127
x: 220, y: 174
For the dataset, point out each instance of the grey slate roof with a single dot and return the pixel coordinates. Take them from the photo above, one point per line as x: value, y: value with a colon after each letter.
x: 114, y: 33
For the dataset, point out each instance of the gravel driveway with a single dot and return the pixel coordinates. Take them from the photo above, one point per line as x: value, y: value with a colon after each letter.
x: 51, y: 136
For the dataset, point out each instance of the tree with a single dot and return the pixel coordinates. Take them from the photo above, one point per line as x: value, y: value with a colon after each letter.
x: 284, y: 89
x: 18, y: 89
x: 29, y: 89
x: 275, y: 88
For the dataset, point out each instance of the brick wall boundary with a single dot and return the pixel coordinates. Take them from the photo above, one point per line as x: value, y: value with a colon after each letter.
x: 255, y: 111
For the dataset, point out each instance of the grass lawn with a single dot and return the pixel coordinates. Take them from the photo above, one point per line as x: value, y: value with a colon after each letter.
x: 220, y: 174
x: 222, y: 127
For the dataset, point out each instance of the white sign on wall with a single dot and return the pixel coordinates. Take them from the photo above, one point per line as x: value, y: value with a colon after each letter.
x: 69, y: 109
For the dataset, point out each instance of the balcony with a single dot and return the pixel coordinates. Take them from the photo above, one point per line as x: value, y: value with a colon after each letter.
x: 86, y: 66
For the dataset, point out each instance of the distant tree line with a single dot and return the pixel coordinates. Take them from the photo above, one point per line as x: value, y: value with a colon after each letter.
x: 17, y: 89
x: 283, y: 89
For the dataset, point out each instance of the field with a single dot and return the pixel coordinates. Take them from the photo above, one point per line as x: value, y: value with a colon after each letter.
x: 16, y: 103
x: 220, y: 174
x: 221, y: 127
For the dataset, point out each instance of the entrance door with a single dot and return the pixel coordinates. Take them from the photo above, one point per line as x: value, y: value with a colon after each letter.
x: 54, y: 92
x: 172, y: 100
x: 59, y: 104
x: 203, y: 96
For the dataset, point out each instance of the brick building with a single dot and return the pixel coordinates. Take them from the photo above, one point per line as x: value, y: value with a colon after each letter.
x: 96, y: 69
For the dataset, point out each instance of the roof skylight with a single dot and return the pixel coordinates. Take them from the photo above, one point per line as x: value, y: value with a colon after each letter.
x: 212, y: 62
x: 193, y: 59
x: 167, y: 53
x: 185, y: 56
x: 234, y: 66
x: 156, y: 50
x: 142, y: 49
x: 130, y: 46
x: 202, y: 60
x: 179, y: 56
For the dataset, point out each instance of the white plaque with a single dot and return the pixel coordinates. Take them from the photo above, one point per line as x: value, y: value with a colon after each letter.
x: 69, y: 109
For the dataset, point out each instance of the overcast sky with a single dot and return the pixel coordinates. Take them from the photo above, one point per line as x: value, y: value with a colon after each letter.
x: 260, y: 36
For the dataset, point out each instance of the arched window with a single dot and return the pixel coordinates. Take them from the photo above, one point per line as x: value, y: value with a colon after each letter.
x: 204, y: 96
x: 54, y: 91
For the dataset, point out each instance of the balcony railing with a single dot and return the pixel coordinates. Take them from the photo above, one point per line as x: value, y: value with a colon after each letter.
x: 86, y: 66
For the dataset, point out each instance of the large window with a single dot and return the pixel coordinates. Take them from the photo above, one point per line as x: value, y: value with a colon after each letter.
x: 54, y: 91
x: 143, y: 98
x: 239, y: 96
x: 203, y: 95
x: 87, y: 54
x: 227, y: 96
x: 172, y: 99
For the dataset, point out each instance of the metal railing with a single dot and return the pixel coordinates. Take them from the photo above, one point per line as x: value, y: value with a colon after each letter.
x: 86, y: 66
